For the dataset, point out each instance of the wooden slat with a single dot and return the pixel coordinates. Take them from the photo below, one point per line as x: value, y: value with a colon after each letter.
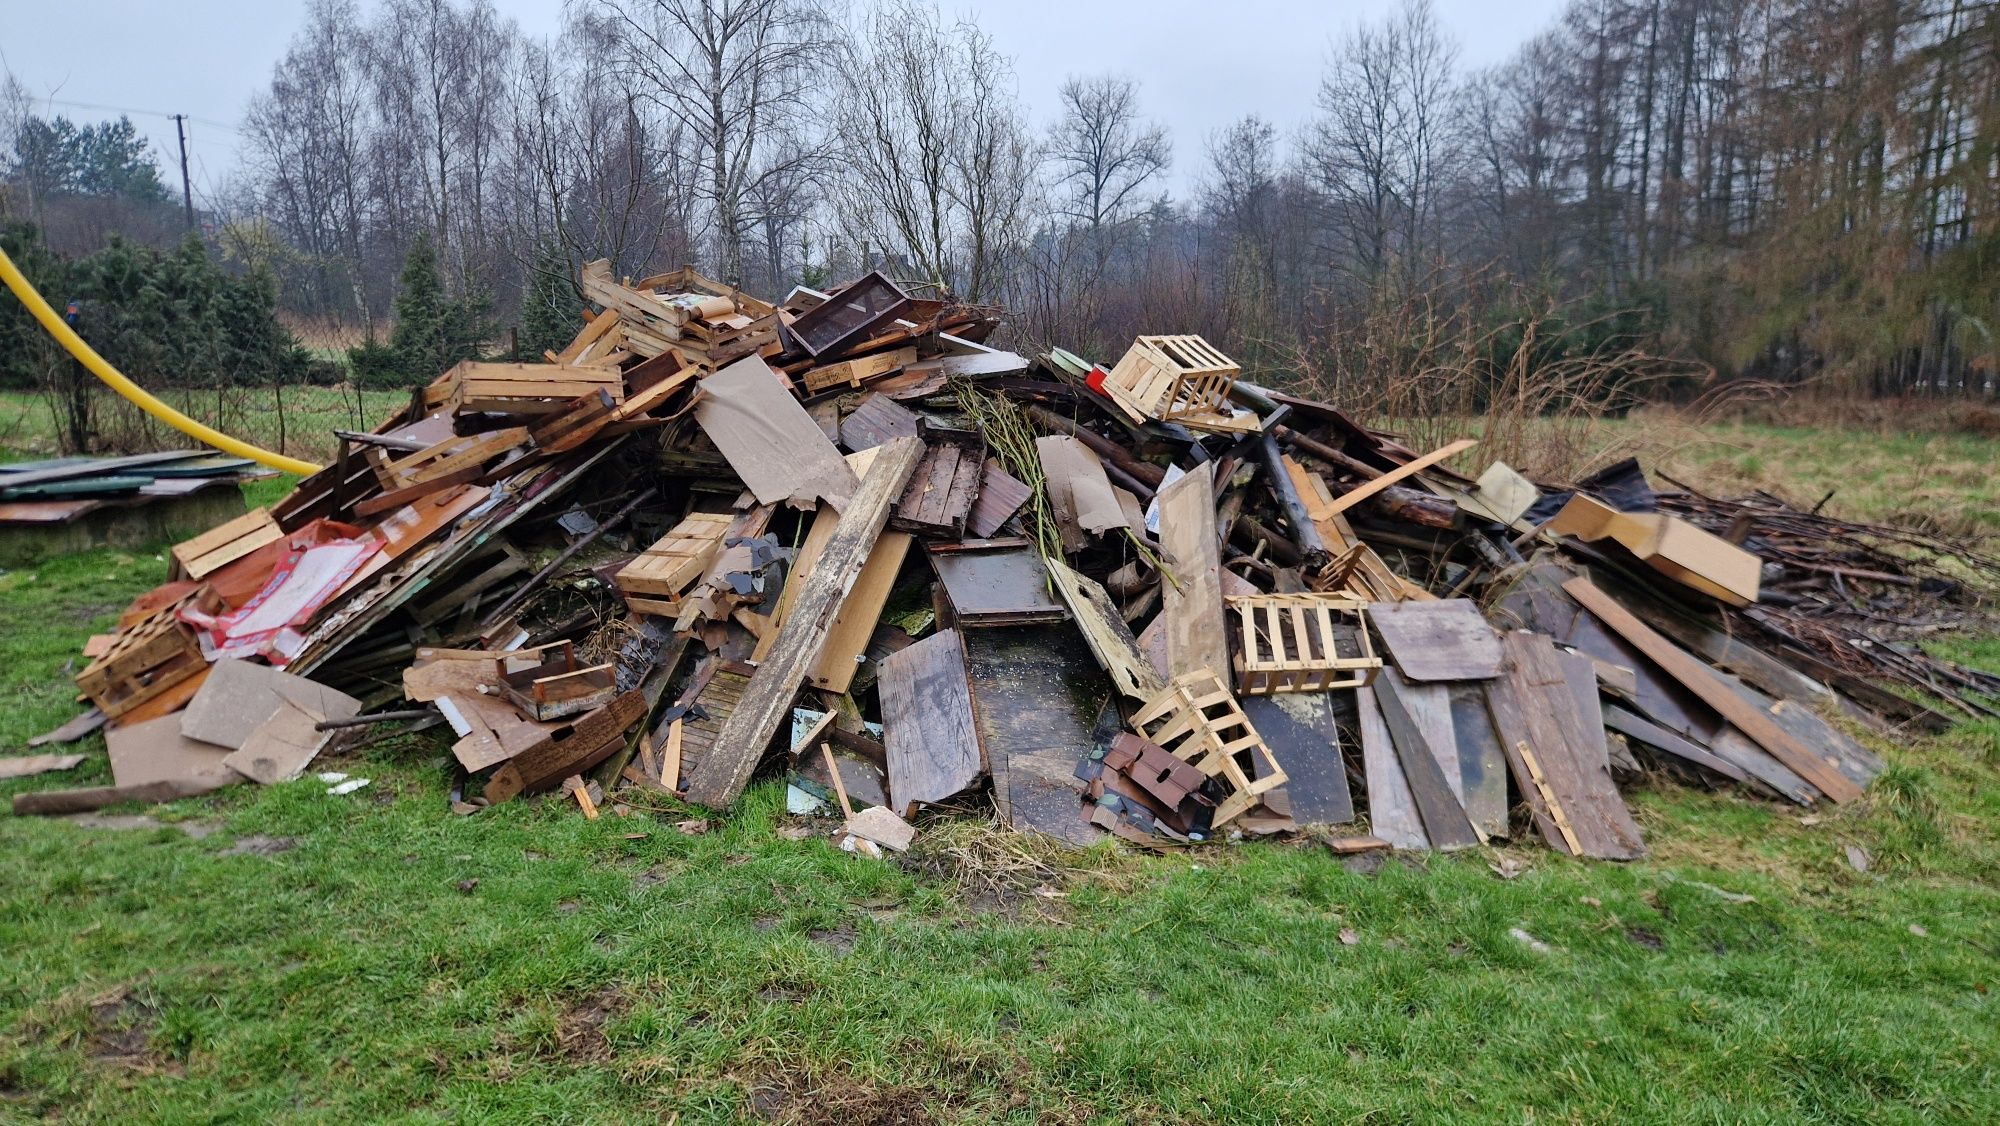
x: 1444, y: 819
x: 1367, y: 489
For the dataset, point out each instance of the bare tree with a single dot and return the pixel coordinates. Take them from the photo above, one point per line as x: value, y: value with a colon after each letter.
x: 736, y: 76
x: 938, y: 159
x: 1104, y: 155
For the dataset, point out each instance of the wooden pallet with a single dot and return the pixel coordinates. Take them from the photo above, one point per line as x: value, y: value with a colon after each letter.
x: 1180, y: 379
x: 1200, y: 723
x: 148, y: 658
x: 527, y: 388
x: 1291, y: 643
x: 654, y: 582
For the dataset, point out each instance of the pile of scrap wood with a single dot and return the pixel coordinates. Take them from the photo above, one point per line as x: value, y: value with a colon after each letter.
x: 839, y: 540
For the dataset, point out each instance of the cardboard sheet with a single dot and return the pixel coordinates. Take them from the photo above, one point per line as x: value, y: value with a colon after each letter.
x: 769, y: 439
x: 157, y: 751
x: 239, y: 696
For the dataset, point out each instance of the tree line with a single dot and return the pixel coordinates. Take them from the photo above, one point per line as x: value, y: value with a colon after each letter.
x: 1780, y: 190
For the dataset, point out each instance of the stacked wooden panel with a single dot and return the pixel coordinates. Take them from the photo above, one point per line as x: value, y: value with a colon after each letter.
x: 654, y: 582
x: 526, y: 388
x: 708, y: 323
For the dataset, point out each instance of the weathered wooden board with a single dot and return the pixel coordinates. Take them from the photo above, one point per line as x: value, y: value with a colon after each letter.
x: 1448, y: 639
x: 1197, y: 637
x: 1304, y: 737
x: 1109, y: 638
x: 878, y: 419
x: 1079, y: 491
x: 941, y: 492
x: 1000, y: 496
x: 1444, y: 818
x: 747, y: 410
x: 1036, y: 694
x: 1392, y: 808
x: 1697, y: 678
x: 927, y: 722
x: 802, y: 638
x: 1535, y: 714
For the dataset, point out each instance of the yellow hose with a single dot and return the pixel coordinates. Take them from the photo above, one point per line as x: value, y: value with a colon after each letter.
x: 115, y: 379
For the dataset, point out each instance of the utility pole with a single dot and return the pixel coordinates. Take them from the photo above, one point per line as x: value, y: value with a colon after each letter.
x: 187, y: 189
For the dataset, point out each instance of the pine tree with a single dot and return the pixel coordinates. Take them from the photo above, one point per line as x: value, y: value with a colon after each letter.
x: 549, y: 319
x: 432, y: 332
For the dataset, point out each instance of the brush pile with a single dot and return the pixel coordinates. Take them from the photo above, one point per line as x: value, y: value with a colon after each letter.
x: 841, y: 540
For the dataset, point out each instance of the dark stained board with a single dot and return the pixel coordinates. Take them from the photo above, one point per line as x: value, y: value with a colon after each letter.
x: 933, y: 748
x: 1299, y: 728
x: 941, y: 492
x: 1036, y: 694
x: 1445, y: 639
x: 1482, y: 767
x: 878, y: 419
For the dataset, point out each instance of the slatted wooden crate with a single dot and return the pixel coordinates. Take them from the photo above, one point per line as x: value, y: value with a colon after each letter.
x: 654, y: 582
x: 1200, y: 723
x: 1302, y: 643
x: 527, y: 388
x: 147, y: 658
x: 1182, y: 379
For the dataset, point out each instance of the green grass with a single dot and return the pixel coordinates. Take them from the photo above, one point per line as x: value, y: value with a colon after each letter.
x: 398, y: 962
x: 29, y: 426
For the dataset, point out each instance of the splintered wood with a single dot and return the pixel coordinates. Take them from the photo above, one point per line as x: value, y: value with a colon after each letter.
x: 1199, y: 722
x: 1302, y: 643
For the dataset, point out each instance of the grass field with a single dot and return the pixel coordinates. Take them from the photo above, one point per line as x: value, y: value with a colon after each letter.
x: 282, y: 954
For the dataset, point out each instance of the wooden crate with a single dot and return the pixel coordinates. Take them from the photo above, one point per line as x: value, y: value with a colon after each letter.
x: 654, y: 582
x: 1200, y: 723
x: 528, y: 388
x: 1180, y: 379
x: 1291, y: 643
x: 226, y: 543
x: 147, y: 658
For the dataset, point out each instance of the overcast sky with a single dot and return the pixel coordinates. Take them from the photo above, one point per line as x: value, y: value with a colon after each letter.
x: 1199, y: 65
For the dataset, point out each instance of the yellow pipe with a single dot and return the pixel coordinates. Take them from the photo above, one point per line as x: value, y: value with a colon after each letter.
x: 102, y: 369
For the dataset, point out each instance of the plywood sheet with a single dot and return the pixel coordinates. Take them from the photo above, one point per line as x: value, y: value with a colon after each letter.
x: 1036, y: 696
x: 933, y: 748
x: 1448, y: 639
x: 1304, y: 737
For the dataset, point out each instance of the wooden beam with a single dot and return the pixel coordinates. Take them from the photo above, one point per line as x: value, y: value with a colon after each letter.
x: 1696, y: 678
x: 719, y: 780
x: 1359, y: 493
x: 1196, y: 636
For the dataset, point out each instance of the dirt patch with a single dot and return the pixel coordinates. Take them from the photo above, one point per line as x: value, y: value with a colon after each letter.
x: 580, y: 1034
x: 257, y: 844
x: 1640, y: 936
x: 805, y: 1099
x: 119, y: 1034
x: 838, y: 939
x: 128, y: 821
x: 652, y: 877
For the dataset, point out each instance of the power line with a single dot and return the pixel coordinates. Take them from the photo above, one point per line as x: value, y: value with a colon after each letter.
x: 210, y: 122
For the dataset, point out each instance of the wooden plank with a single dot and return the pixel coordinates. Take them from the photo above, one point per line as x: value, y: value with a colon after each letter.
x: 1367, y: 489
x: 767, y: 702
x: 1445, y: 821
x: 227, y: 542
x: 1392, y: 808
x: 1443, y: 640
x: 1304, y: 736
x: 1000, y: 496
x: 878, y: 419
x: 1192, y: 601
x: 1698, y: 679
x: 933, y: 748
x: 1109, y: 638
x: 1551, y: 755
